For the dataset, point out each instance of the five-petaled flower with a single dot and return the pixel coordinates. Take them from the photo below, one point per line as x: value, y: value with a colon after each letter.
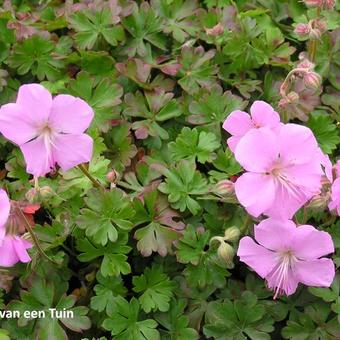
x: 48, y: 130
x: 286, y: 255
x: 283, y: 170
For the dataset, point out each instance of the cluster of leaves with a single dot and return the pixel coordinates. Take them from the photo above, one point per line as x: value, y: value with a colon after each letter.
x: 136, y: 261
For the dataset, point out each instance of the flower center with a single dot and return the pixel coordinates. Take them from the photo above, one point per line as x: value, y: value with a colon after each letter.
x: 279, y: 278
x: 45, y: 131
x: 47, y: 134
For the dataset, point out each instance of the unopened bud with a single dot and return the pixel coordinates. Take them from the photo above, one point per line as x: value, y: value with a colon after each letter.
x: 328, y: 4
x: 226, y: 252
x: 232, y: 234
x: 45, y: 191
x: 112, y: 176
x: 312, y: 80
x: 32, y: 195
x: 224, y: 187
x: 313, y: 3
x: 214, y: 31
x: 302, y: 30
x: 293, y: 97
x: 315, y: 34
x: 319, y: 24
x: 319, y: 202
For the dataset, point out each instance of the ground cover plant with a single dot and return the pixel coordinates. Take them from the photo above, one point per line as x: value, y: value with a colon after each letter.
x: 169, y: 169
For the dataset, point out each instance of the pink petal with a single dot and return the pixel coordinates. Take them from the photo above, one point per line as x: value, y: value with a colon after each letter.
x: 71, y: 150
x: 260, y: 259
x: 256, y: 192
x: 318, y: 273
x: 4, y: 209
x: 38, y: 157
x: 286, y: 203
x: 70, y: 114
x: 306, y: 177
x: 275, y: 234
x: 8, y: 255
x: 264, y: 115
x: 238, y: 123
x: 309, y: 243
x: 36, y: 101
x: 232, y: 142
x: 16, y: 125
x: 297, y: 144
x: 335, y: 198
x: 20, y: 246
x: 257, y: 150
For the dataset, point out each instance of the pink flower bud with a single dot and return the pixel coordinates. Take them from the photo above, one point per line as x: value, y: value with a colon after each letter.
x: 216, y: 30
x: 224, y: 187
x: 312, y: 80
x: 112, y: 176
x: 315, y: 34
x: 320, y: 25
x: 325, y: 4
x: 328, y: 4
x: 302, y: 30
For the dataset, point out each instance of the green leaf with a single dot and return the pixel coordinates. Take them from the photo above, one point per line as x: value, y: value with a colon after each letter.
x: 325, y: 131
x: 239, y: 320
x: 191, y: 144
x: 156, y: 289
x: 114, y: 261
x: 106, y: 213
x: 176, y: 322
x: 182, y: 183
x: 92, y: 26
x: 35, y: 54
x: 106, y: 290
x: 191, y: 246
x: 124, y: 322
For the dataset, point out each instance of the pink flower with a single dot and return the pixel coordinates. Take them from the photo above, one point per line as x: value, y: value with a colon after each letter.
x: 12, y: 248
x: 238, y: 123
x: 335, y: 196
x: 286, y: 255
x: 283, y: 170
x: 48, y: 131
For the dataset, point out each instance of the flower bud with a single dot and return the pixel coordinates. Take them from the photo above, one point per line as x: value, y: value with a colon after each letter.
x: 232, y: 234
x: 226, y: 252
x: 293, y: 97
x: 313, y: 3
x: 224, y: 187
x: 45, y: 191
x: 315, y: 34
x: 328, y: 4
x: 32, y: 195
x: 216, y: 30
x: 319, y: 24
x: 302, y: 30
x: 319, y: 202
x: 112, y: 176
x: 312, y: 80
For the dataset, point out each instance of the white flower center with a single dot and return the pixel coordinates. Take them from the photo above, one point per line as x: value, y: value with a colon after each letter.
x: 279, y: 277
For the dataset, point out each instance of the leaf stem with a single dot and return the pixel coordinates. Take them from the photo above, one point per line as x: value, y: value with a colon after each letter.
x: 35, y: 239
x: 95, y: 183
